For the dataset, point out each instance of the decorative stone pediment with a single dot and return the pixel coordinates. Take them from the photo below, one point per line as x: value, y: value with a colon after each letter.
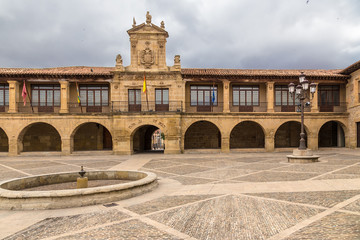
x: 148, y: 46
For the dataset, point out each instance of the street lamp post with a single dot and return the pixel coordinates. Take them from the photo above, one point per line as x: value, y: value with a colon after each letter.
x: 301, y: 93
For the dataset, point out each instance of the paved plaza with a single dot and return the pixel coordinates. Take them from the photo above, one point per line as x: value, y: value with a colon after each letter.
x: 202, y: 196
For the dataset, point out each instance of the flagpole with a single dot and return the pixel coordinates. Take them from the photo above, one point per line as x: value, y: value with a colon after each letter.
x: 28, y: 95
x: 145, y: 90
x: 78, y: 96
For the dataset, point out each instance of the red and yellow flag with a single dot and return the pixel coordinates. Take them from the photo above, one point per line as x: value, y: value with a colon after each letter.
x: 144, y: 85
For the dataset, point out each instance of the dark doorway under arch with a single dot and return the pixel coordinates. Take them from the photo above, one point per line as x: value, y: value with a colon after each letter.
x: 148, y: 138
x: 202, y: 135
x: 41, y: 137
x: 247, y: 134
x: 4, y: 141
x: 92, y: 137
x: 288, y: 135
x: 331, y: 134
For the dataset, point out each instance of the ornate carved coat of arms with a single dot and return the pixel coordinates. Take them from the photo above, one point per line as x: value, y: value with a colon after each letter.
x: 147, y: 57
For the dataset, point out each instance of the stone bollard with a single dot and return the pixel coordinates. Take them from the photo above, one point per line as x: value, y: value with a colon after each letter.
x: 82, y: 182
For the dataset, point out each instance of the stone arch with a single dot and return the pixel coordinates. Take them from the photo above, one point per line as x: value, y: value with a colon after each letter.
x: 247, y: 134
x: 91, y: 136
x: 4, y: 141
x: 142, y: 140
x: 332, y: 134
x: 202, y: 135
x: 39, y: 136
x: 288, y: 135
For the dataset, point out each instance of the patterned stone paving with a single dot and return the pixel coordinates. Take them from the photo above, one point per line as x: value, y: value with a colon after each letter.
x: 60, y: 225
x: 354, y: 206
x: 166, y: 202
x: 234, y: 217
x: 337, y: 226
x: 325, y: 199
x: 273, y: 176
x: 130, y: 230
x: 176, y: 211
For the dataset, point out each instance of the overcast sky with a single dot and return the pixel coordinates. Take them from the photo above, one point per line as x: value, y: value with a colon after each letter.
x: 259, y: 34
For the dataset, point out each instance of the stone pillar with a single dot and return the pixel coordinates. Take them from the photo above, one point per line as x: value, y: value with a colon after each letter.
x: 64, y: 96
x: 269, y: 142
x: 13, y: 96
x: 121, y: 143
x: 13, y: 147
x: 312, y: 141
x: 314, y: 100
x: 226, y: 96
x: 225, y: 144
x: 270, y: 96
x: 172, y: 145
x: 66, y: 148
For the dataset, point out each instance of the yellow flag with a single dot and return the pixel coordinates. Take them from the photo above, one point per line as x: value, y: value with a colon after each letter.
x: 144, y: 85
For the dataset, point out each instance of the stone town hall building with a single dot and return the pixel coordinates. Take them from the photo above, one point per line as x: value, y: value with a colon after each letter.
x: 218, y: 110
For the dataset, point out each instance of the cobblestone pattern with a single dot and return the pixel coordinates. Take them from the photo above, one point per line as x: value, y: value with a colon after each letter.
x: 234, y: 217
x: 355, y: 207
x: 166, y: 202
x: 60, y: 225
x: 272, y: 176
x: 337, y: 226
x: 324, y: 199
x: 130, y: 230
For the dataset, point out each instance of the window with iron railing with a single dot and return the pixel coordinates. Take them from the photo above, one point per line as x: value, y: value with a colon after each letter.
x: 203, y: 97
x: 94, y: 97
x: 246, y: 97
x: 329, y: 96
x: 134, y: 100
x: 45, y: 97
x: 4, y: 96
x: 161, y: 99
x: 284, y: 99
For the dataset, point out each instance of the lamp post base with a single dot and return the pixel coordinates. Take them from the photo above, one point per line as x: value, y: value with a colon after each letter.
x: 302, y: 156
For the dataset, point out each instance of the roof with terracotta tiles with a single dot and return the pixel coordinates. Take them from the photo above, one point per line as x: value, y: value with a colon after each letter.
x: 61, y: 71
x: 352, y: 68
x: 261, y: 72
x: 186, y: 72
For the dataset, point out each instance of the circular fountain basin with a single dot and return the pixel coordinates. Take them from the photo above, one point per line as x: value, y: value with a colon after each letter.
x: 14, y: 196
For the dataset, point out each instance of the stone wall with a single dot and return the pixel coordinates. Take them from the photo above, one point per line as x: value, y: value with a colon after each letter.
x: 247, y: 135
x: 202, y: 134
x: 41, y: 137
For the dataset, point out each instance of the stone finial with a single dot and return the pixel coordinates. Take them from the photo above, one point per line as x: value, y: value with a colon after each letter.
x: 177, y: 60
x: 162, y: 25
x: 119, y: 61
x: 134, y: 22
x: 148, y: 18
x: 177, y: 64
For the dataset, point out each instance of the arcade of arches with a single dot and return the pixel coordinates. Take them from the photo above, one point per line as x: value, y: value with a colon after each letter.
x: 92, y: 136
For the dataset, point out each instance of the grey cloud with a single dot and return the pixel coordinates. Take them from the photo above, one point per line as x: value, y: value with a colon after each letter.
x: 222, y: 34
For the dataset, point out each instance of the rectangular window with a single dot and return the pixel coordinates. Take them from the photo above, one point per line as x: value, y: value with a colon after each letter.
x: 203, y: 95
x: 162, y: 99
x: 283, y: 97
x: 94, y: 95
x: 245, y: 95
x: 45, y: 97
x: 134, y: 100
x: 329, y: 95
x: 4, y: 95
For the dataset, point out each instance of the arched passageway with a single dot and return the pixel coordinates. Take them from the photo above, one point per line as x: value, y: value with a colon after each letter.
x: 40, y: 137
x: 202, y: 135
x: 288, y: 135
x: 148, y: 138
x: 4, y: 141
x: 247, y: 134
x: 331, y: 134
x: 92, y: 137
